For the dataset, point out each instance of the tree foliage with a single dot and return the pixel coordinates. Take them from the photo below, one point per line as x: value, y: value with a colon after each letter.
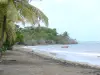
x: 14, y: 11
x: 22, y: 12
x: 44, y: 35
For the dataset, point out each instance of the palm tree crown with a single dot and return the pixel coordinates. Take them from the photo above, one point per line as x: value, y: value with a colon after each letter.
x: 18, y: 11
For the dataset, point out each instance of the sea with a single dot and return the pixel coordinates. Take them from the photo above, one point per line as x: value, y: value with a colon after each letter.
x: 87, y: 52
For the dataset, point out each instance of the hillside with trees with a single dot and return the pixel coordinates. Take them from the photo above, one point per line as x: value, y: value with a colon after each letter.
x: 42, y: 35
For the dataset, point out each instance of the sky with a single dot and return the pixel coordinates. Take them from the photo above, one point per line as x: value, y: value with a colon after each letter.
x: 80, y: 18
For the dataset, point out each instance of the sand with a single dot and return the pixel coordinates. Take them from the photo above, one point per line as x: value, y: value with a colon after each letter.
x: 20, y: 62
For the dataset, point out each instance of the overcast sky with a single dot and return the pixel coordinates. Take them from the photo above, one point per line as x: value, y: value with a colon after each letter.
x: 80, y: 18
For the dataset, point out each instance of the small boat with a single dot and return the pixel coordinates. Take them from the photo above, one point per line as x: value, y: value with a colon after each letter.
x: 64, y: 46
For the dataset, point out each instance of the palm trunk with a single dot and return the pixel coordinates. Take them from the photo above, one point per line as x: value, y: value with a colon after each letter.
x: 2, y: 33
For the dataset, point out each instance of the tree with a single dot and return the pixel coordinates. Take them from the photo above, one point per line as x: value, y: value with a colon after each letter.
x: 13, y: 11
x: 19, y: 35
x: 65, y: 34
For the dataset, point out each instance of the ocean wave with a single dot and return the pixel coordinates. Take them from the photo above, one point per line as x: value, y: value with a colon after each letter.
x: 78, y: 53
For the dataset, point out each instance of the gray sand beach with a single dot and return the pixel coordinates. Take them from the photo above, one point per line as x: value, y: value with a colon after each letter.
x: 20, y: 62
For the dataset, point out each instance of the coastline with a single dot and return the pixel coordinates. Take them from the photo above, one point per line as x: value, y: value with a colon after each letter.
x: 53, y: 57
x: 22, y: 61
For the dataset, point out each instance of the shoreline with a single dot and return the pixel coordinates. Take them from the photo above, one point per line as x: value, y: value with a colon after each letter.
x: 51, y: 56
x: 21, y: 61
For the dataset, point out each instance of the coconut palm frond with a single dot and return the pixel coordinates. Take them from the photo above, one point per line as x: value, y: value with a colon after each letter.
x: 26, y: 13
x: 10, y: 30
x: 12, y: 13
x: 3, y: 1
x: 3, y: 10
x: 43, y: 17
x: 15, y: 11
x: 31, y: 13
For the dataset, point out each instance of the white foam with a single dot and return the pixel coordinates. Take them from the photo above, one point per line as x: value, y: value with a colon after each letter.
x: 78, y: 53
x: 52, y: 54
x: 92, y: 58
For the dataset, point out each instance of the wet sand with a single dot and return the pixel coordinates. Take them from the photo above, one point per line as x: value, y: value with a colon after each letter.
x: 20, y: 62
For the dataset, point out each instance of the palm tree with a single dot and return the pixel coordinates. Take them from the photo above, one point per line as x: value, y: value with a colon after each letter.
x: 13, y: 11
